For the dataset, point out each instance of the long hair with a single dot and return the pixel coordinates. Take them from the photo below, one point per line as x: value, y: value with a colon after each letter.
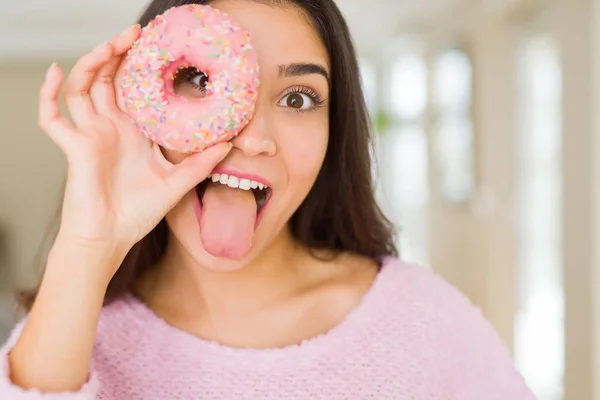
x: 340, y: 212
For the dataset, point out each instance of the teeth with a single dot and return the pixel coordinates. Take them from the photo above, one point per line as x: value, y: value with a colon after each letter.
x: 235, y: 182
x: 245, y: 184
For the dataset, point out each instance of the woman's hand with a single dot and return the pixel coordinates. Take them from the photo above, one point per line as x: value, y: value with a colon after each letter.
x: 119, y: 185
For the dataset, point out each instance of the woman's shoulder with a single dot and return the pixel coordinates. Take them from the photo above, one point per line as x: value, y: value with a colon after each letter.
x: 420, y: 293
x: 124, y: 317
x: 407, y: 282
x: 432, y: 316
x: 391, y: 287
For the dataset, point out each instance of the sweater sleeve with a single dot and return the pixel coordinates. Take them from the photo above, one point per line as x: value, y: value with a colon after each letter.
x: 10, y: 391
x: 477, y: 363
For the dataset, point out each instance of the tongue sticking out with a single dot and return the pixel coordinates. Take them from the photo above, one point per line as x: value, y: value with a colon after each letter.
x: 227, y: 221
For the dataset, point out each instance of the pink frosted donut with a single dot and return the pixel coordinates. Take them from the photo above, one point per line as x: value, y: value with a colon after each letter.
x: 191, y: 36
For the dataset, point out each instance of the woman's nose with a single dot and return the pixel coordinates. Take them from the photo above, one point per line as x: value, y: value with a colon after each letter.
x: 255, y: 139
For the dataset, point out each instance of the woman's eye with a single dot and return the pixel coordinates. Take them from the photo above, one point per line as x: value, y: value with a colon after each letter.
x: 200, y: 80
x: 190, y: 83
x: 298, y: 101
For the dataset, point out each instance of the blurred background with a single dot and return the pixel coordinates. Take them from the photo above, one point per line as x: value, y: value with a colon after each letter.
x: 488, y: 119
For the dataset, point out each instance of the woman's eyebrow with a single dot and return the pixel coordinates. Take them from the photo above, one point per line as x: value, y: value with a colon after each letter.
x: 299, y: 69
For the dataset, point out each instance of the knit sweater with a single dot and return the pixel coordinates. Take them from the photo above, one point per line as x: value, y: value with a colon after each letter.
x: 412, y: 336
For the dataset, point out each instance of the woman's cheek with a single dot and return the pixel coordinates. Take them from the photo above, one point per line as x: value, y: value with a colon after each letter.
x: 307, y: 149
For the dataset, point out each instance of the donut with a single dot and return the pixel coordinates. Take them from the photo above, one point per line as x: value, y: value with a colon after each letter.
x: 209, y: 43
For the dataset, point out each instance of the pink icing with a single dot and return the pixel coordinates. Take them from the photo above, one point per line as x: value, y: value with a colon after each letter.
x: 203, y: 37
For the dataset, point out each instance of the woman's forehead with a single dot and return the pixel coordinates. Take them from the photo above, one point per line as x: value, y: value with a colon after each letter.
x: 281, y: 35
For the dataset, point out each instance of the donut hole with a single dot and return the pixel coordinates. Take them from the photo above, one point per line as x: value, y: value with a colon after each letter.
x: 190, y: 83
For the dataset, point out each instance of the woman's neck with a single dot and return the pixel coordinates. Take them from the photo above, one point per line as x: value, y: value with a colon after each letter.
x: 182, y: 290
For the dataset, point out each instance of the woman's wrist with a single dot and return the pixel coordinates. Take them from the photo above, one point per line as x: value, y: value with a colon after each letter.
x: 94, y: 262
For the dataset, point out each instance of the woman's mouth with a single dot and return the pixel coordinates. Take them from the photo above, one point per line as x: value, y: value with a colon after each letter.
x: 229, y: 210
x: 262, y: 192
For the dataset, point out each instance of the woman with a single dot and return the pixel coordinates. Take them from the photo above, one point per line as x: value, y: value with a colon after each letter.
x: 143, y: 297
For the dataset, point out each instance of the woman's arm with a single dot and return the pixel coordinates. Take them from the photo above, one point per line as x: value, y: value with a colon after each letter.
x: 54, y: 350
x: 119, y: 187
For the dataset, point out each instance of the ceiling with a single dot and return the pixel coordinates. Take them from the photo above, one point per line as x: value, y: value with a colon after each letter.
x: 42, y: 29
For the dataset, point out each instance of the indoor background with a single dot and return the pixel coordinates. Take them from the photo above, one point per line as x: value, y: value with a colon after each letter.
x: 488, y: 129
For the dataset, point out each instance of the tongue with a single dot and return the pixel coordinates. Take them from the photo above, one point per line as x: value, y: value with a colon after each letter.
x: 227, y: 221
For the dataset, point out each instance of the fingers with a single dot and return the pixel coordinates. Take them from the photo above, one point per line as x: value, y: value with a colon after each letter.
x: 50, y: 118
x: 102, y: 91
x: 77, y: 88
x: 195, y: 168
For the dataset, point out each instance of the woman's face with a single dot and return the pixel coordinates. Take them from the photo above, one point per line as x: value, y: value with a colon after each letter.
x: 224, y: 227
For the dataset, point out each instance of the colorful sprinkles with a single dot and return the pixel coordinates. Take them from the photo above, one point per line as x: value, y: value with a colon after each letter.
x: 207, y: 39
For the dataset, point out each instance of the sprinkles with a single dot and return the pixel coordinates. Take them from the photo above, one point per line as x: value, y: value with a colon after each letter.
x: 191, y: 36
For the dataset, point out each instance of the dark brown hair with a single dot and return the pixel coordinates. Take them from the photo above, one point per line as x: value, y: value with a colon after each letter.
x: 340, y: 212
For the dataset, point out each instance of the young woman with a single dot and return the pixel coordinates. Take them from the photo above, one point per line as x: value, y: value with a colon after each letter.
x: 144, y: 298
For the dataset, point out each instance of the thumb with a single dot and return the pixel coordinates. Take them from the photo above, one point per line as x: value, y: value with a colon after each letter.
x: 195, y: 168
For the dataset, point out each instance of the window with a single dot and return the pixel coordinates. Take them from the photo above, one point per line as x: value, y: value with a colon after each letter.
x: 453, y: 131
x: 539, y: 325
x: 404, y: 155
x: 369, y: 84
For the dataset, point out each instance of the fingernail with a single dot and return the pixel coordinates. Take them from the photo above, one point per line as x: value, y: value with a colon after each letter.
x: 50, y: 69
x: 129, y: 29
x: 101, y: 46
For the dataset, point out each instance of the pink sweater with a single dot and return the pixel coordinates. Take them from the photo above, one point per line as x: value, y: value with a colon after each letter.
x: 412, y: 337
